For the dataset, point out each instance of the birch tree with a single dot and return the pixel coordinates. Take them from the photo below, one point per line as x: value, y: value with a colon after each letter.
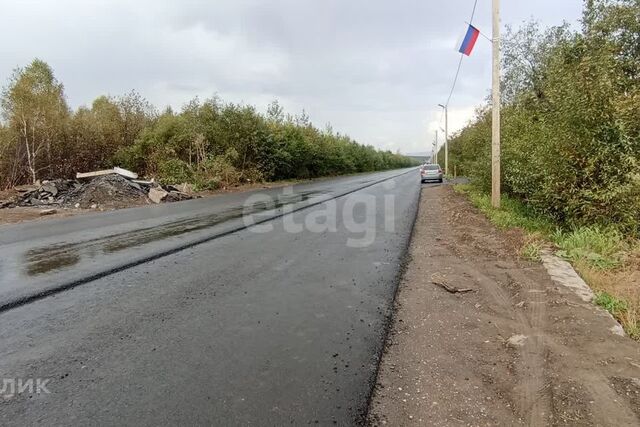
x: 34, y: 106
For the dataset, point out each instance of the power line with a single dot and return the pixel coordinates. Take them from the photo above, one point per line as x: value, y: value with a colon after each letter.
x: 473, y: 12
x: 455, y: 80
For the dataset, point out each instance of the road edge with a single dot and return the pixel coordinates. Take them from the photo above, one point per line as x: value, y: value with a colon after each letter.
x: 564, y: 274
x: 405, y: 260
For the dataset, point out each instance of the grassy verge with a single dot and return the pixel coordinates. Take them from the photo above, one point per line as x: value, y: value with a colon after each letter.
x: 607, y: 261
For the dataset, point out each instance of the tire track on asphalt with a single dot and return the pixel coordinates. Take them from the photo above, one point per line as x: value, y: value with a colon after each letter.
x: 40, y: 294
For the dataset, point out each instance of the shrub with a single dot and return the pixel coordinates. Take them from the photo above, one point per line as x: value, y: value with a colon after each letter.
x: 174, y: 171
x: 570, y: 121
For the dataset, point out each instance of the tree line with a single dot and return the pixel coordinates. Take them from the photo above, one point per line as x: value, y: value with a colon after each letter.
x: 208, y: 143
x: 570, y: 119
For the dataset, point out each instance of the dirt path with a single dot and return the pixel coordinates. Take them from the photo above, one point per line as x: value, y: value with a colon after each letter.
x: 517, y: 350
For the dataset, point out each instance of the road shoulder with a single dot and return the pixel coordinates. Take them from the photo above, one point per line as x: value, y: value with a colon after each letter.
x: 20, y: 214
x: 515, y: 349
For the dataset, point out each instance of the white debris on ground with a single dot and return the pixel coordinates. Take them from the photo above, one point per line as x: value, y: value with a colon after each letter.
x: 516, y: 340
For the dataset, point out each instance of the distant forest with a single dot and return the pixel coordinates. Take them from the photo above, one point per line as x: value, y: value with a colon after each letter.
x: 208, y: 143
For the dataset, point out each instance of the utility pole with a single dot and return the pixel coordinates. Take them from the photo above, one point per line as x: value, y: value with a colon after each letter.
x: 436, y: 160
x: 495, y: 125
x: 446, y: 138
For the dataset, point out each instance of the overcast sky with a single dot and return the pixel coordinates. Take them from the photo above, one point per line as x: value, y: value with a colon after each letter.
x: 374, y: 69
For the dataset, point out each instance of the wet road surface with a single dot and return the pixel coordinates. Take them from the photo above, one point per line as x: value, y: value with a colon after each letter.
x: 179, y: 314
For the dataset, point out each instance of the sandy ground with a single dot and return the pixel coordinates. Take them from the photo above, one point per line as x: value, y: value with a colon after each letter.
x: 517, y: 350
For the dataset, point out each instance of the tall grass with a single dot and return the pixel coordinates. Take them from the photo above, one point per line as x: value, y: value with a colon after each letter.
x: 601, y: 248
x: 512, y: 214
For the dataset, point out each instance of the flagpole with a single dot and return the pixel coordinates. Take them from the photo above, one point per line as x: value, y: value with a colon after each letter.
x: 495, y: 125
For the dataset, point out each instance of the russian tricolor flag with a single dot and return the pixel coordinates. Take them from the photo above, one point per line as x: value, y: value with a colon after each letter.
x: 469, y: 40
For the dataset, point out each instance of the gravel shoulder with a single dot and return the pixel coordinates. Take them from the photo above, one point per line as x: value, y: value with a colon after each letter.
x: 517, y: 349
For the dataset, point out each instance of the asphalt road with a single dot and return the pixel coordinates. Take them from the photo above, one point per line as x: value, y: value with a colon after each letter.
x: 180, y: 314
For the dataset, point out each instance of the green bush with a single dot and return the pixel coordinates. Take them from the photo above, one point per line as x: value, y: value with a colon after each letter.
x: 570, y: 121
x: 225, y: 144
x: 174, y: 171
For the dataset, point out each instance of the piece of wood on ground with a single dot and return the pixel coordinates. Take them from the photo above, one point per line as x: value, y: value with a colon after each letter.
x: 25, y: 188
x: 94, y: 174
x: 143, y: 182
x: 47, y: 212
x: 120, y: 171
x: 126, y: 173
x: 451, y: 289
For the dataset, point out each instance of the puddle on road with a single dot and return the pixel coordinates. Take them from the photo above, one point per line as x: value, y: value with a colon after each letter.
x: 54, y: 257
x: 53, y: 263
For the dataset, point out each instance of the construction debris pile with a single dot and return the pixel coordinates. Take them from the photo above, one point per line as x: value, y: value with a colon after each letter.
x: 110, y: 189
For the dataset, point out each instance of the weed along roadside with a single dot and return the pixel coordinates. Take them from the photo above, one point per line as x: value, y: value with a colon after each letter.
x: 484, y: 334
x: 608, y: 261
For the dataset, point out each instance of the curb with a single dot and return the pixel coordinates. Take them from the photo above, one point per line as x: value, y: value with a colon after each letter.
x: 563, y: 274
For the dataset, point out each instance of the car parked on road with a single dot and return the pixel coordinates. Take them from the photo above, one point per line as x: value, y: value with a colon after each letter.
x: 431, y: 172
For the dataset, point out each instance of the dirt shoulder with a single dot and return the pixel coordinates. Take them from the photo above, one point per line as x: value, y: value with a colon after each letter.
x: 516, y: 350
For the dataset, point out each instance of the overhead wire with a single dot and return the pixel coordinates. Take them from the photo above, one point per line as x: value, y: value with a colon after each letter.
x: 455, y: 79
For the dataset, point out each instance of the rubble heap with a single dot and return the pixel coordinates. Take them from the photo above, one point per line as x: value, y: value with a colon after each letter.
x: 46, y: 194
x: 113, y: 190
x: 110, y: 190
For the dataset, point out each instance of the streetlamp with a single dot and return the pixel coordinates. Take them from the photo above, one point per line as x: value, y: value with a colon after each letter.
x: 446, y: 138
x: 435, y: 158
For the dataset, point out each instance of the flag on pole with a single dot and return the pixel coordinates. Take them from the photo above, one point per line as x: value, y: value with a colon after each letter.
x: 469, y: 40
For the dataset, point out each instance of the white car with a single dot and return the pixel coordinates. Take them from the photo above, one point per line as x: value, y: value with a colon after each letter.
x: 431, y: 172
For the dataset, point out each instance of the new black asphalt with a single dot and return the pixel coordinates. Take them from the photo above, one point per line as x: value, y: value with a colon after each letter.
x: 181, y: 315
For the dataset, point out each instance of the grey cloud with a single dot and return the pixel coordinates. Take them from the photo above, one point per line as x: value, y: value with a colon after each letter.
x: 374, y: 69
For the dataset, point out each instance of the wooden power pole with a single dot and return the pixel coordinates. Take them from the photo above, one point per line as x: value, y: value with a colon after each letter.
x: 446, y: 140
x: 495, y: 125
